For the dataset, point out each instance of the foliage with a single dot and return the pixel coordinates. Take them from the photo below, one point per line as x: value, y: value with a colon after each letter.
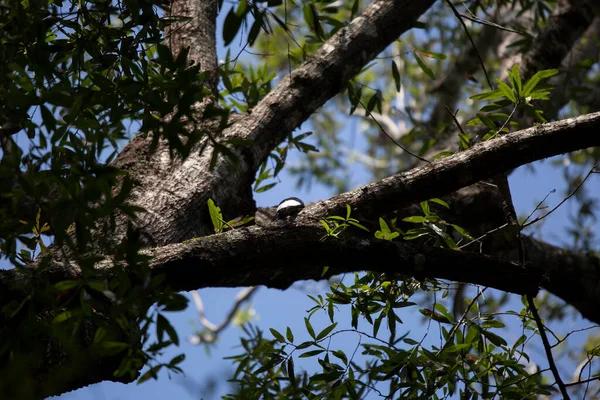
x: 336, y: 225
x: 74, y: 76
x: 78, y: 79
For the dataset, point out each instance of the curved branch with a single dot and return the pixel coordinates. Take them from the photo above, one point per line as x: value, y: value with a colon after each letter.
x: 324, y: 75
x: 255, y: 255
x: 480, y: 162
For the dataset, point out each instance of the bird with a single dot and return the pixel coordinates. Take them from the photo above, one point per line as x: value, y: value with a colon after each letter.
x: 289, y: 207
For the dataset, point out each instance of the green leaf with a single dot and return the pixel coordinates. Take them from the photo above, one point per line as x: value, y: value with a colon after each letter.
x: 309, y: 328
x: 350, y: 387
x: 515, y: 78
x: 341, y: 355
x: 442, y: 310
x: 423, y: 66
x: 111, y: 348
x: 493, y: 95
x: 311, y: 353
x: 492, y: 337
x: 431, y: 54
x: 435, y: 316
x: 492, y: 324
x: 487, y: 121
x: 265, y: 187
x: 304, y: 345
x: 66, y: 285
x: 396, y: 75
x: 425, y: 207
x: 325, y: 225
x: 354, y: 96
x: 215, y: 216
x: 277, y: 335
x: 63, y: 316
x: 356, y: 224
x: 290, y: 371
x: 151, y: 373
x: 440, y: 202
x: 415, y: 219
x: 384, y: 226
x: 535, y: 80
x: 457, y: 347
x: 231, y: 26
x: 163, y: 325
x: 311, y: 17
x: 326, y: 331
x: 506, y: 91
x: 462, y: 231
x: 354, y: 8
x: 289, y: 335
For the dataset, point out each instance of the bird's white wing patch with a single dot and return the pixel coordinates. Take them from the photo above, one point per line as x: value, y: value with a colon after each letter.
x: 289, y: 203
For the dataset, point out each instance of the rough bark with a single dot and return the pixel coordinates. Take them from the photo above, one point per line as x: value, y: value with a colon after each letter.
x: 197, y: 31
x: 174, y: 193
x: 240, y: 254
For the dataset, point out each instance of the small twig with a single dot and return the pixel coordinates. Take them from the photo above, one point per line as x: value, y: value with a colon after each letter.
x: 547, y: 348
x: 483, y: 236
x: 539, y: 205
x: 389, y: 136
x: 510, y: 216
x: 242, y: 296
x: 489, y: 23
x: 559, y: 341
x: 227, y: 223
x: 509, y: 117
x: 457, y: 14
x: 461, y: 320
x: 592, y: 171
x: 453, y: 114
x: 579, y: 382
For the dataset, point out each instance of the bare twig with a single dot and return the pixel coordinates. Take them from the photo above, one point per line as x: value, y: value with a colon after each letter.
x: 592, y: 171
x: 242, y: 296
x: 453, y: 114
x: 484, y: 236
x: 489, y: 23
x: 539, y: 205
x: 461, y: 320
x: 547, y: 348
x: 457, y: 14
x: 509, y: 117
x: 389, y: 136
x: 582, y: 381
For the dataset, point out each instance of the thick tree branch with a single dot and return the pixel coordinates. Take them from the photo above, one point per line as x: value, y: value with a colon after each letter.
x: 197, y: 31
x: 282, y: 255
x: 480, y: 162
x: 368, y: 203
x: 171, y: 191
x: 324, y: 75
